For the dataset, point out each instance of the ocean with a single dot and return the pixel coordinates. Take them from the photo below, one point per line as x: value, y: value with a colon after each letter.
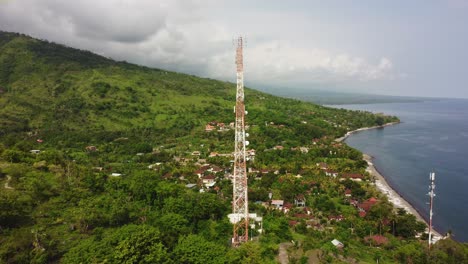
x: 433, y: 136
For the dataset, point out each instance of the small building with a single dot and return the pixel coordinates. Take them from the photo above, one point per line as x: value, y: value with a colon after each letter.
x: 91, y: 148
x: 287, y: 207
x: 209, y: 128
x: 336, y: 218
x: 300, y: 200
x: 116, y: 174
x: 337, y: 243
x: 190, y: 185
x: 208, y: 179
x: 278, y: 204
x: 367, y: 205
x: 331, y: 173
x: 322, y: 165
x: 196, y: 153
x: 353, y: 176
x: 216, y: 169
x: 253, y: 170
x: 304, y: 150
x: 35, y: 151
x: 347, y: 193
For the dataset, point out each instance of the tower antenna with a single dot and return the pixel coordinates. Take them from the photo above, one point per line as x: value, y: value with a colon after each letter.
x: 431, y: 195
x: 240, y: 207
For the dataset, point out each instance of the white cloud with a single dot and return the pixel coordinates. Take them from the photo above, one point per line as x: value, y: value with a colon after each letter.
x: 180, y: 35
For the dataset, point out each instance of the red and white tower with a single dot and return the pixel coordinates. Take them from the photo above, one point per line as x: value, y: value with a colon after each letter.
x: 240, y: 206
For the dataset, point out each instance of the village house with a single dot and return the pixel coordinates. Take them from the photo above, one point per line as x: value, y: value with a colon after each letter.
x: 331, y: 173
x: 304, y: 150
x: 348, y: 193
x: 91, y: 148
x: 222, y: 127
x: 352, y: 176
x: 365, y: 206
x: 208, y: 179
x: 277, y: 204
x: 250, y: 154
x: 253, y: 170
x: 299, y: 200
x: 287, y: 207
x: 337, y: 243
x: 336, y: 218
x: 322, y: 165
x: 209, y: 128
x: 201, y: 171
x: 215, y: 169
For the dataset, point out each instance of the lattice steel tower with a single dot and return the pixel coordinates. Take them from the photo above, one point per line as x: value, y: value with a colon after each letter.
x: 240, y: 207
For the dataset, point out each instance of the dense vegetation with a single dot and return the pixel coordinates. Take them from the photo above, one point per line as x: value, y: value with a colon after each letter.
x: 96, y: 155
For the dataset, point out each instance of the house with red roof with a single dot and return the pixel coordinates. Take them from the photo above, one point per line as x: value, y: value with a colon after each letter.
x: 367, y: 205
x: 209, y: 179
x: 209, y: 128
x: 352, y: 176
x: 347, y: 193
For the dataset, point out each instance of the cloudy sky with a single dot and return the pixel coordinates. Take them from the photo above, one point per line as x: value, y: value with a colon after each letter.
x: 397, y: 47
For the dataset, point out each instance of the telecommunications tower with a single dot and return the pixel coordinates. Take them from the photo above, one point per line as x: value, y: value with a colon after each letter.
x: 240, y: 206
x: 431, y: 195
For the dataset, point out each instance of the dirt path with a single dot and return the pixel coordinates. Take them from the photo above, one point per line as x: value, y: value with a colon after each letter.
x: 283, y: 253
x: 7, y: 183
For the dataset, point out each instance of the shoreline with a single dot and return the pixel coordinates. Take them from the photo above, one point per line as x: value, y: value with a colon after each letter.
x: 394, y: 197
x: 385, y: 188
x: 363, y: 129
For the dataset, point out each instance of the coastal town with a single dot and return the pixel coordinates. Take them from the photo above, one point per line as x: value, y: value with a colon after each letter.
x: 110, y: 162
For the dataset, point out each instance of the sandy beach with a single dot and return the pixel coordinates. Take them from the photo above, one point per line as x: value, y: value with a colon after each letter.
x: 394, y: 197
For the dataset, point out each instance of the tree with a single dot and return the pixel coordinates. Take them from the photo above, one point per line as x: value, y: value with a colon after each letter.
x: 248, y: 253
x: 15, y: 208
x: 194, y: 249
x: 142, y: 247
x: 172, y: 226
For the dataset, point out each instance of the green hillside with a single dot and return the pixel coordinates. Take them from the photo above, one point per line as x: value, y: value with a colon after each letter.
x: 49, y: 88
x: 96, y: 155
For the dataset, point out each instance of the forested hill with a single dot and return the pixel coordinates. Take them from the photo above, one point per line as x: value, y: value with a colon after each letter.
x: 110, y: 162
x: 56, y: 91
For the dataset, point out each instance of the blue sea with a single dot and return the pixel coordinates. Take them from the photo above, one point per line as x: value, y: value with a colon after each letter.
x: 433, y: 136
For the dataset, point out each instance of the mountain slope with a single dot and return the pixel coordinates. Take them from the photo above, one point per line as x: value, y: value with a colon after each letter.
x: 48, y: 88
